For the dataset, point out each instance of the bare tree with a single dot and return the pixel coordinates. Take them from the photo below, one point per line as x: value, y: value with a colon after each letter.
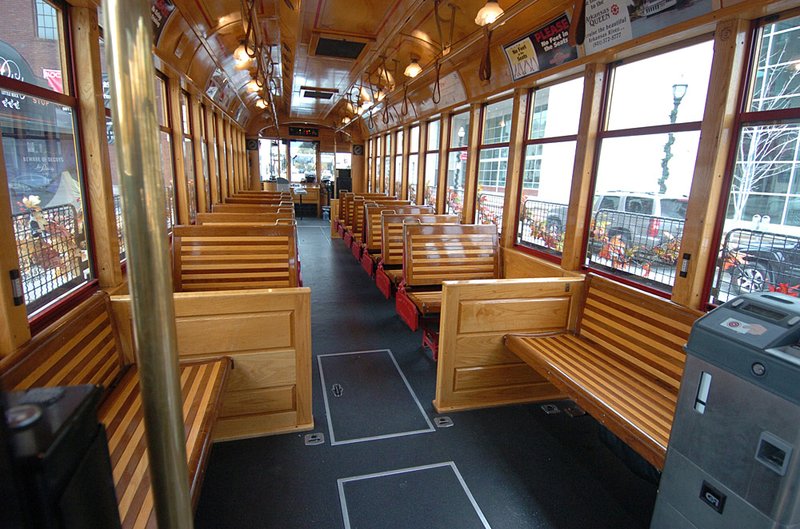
x: 760, y: 146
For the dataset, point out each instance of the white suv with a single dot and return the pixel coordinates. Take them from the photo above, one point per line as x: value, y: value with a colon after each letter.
x: 640, y: 218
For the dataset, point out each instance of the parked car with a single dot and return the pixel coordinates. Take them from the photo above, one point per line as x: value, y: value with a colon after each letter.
x: 642, y: 219
x: 767, y: 262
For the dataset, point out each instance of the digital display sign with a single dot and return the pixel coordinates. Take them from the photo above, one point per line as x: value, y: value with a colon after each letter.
x: 306, y: 132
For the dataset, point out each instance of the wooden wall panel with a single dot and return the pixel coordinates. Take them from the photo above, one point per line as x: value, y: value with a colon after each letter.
x: 267, y: 333
x: 474, y: 369
x: 518, y: 264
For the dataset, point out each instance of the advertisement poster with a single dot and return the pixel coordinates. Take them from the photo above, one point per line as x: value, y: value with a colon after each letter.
x: 611, y: 22
x: 544, y: 48
x: 160, y: 10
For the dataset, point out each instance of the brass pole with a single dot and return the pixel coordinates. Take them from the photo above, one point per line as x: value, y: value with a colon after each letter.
x: 129, y: 45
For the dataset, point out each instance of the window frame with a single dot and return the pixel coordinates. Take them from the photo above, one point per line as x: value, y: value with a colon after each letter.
x: 463, y: 147
x: 487, y: 146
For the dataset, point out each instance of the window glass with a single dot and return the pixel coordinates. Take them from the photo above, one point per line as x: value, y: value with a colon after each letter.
x: 649, y: 91
x: 304, y: 159
x: 413, y: 143
x: 459, y: 130
x: 387, y: 173
x: 431, y: 178
x: 32, y: 51
x: 46, y: 194
x: 562, y: 100
x: 413, y: 173
x: 493, y: 163
x: 378, y: 180
x: 497, y: 122
x: 638, y: 168
x: 168, y: 173
x: 398, y: 146
x: 398, y: 176
x: 433, y: 135
x: 760, y: 243
x: 188, y: 157
x: 456, y: 169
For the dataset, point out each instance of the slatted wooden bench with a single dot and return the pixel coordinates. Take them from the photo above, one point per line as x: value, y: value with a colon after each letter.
x: 390, y: 268
x: 243, y: 219
x: 84, y: 347
x: 433, y: 253
x: 241, y: 199
x: 622, y: 363
x: 347, y: 211
x: 232, y: 258
x: 360, y: 220
x: 373, y: 230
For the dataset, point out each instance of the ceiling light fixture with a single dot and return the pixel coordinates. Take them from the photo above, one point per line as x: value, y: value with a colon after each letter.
x: 252, y: 86
x: 413, y: 69
x: 489, y: 13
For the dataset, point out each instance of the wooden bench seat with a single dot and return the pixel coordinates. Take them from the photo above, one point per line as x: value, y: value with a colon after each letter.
x: 84, y: 347
x: 389, y: 273
x: 234, y: 257
x: 622, y: 363
x: 253, y: 208
x: 373, y: 229
x: 434, y: 253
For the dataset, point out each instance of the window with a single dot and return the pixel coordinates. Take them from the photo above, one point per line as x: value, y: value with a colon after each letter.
x: 303, y: 155
x: 46, y: 20
x: 760, y: 242
x: 165, y: 136
x: 547, y: 171
x: 413, y: 163
x: 370, y: 179
x: 387, y: 164
x: 493, y: 162
x: 432, y: 164
x: 43, y: 167
x: 376, y: 175
x: 203, y: 139
x: 188, y: 156
x: 398, y: 165
x: 646, y: 156
x: 457, y: 163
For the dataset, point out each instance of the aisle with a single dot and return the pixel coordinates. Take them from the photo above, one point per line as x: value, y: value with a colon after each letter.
x: 385, y: 461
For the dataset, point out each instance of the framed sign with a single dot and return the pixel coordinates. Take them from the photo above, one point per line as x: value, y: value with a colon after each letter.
x: 358, y: 149
x: 544, y: 48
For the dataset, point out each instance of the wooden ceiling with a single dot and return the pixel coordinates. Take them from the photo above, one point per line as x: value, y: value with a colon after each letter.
x: 200, y: 36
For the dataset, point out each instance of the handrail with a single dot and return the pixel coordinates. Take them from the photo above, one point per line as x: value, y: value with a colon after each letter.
x: 129, y: 42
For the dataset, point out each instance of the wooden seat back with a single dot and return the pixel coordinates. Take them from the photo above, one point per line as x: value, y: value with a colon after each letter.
x: 232, y: 258
x: 264, y: 194
x: 373, y: 228
x: 216, y: 219
x: 652, y: 338
x: 83, y: 348
x: 351, y: 209
x: 433, y: 253
x: 253, y: 208
x: 392, y: 233
x: 256, y: 200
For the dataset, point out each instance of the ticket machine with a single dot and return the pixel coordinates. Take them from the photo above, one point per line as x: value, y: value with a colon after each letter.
x: 733, y: 460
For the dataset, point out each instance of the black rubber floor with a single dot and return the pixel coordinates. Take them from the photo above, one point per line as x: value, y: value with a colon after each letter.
x: 522, y: 467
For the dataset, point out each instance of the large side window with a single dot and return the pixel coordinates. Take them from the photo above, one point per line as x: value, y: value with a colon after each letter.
x: 42, y: 158
x: 457, y: 163
x: 648, y: 146
x: 493, y: 162
x: 167, y: 159
x: 188, y: 155
x: 760, y: 245
x: 387, y: 163
x: 432, y: 163
x: 553, y: 120
x: 398, y: 165
x: 413, y: 162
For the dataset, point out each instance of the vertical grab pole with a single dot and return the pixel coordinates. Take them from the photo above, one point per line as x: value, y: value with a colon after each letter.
x: 129, y: 48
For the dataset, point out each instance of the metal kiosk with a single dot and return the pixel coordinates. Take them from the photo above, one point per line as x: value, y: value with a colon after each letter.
x: 733, y: 460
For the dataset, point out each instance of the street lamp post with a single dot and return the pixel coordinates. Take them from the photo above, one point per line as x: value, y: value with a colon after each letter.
x: 678, y: 92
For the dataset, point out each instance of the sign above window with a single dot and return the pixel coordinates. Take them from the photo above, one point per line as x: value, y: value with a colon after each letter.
x: 306, y: 132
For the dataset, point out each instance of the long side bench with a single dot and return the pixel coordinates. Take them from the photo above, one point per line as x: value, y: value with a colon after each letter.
x: 373, y: 230
x: 434, y: 253
x: 84, y: 347
x: 622, y: 363
x: 390, y: 268
x: 234, y: 257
